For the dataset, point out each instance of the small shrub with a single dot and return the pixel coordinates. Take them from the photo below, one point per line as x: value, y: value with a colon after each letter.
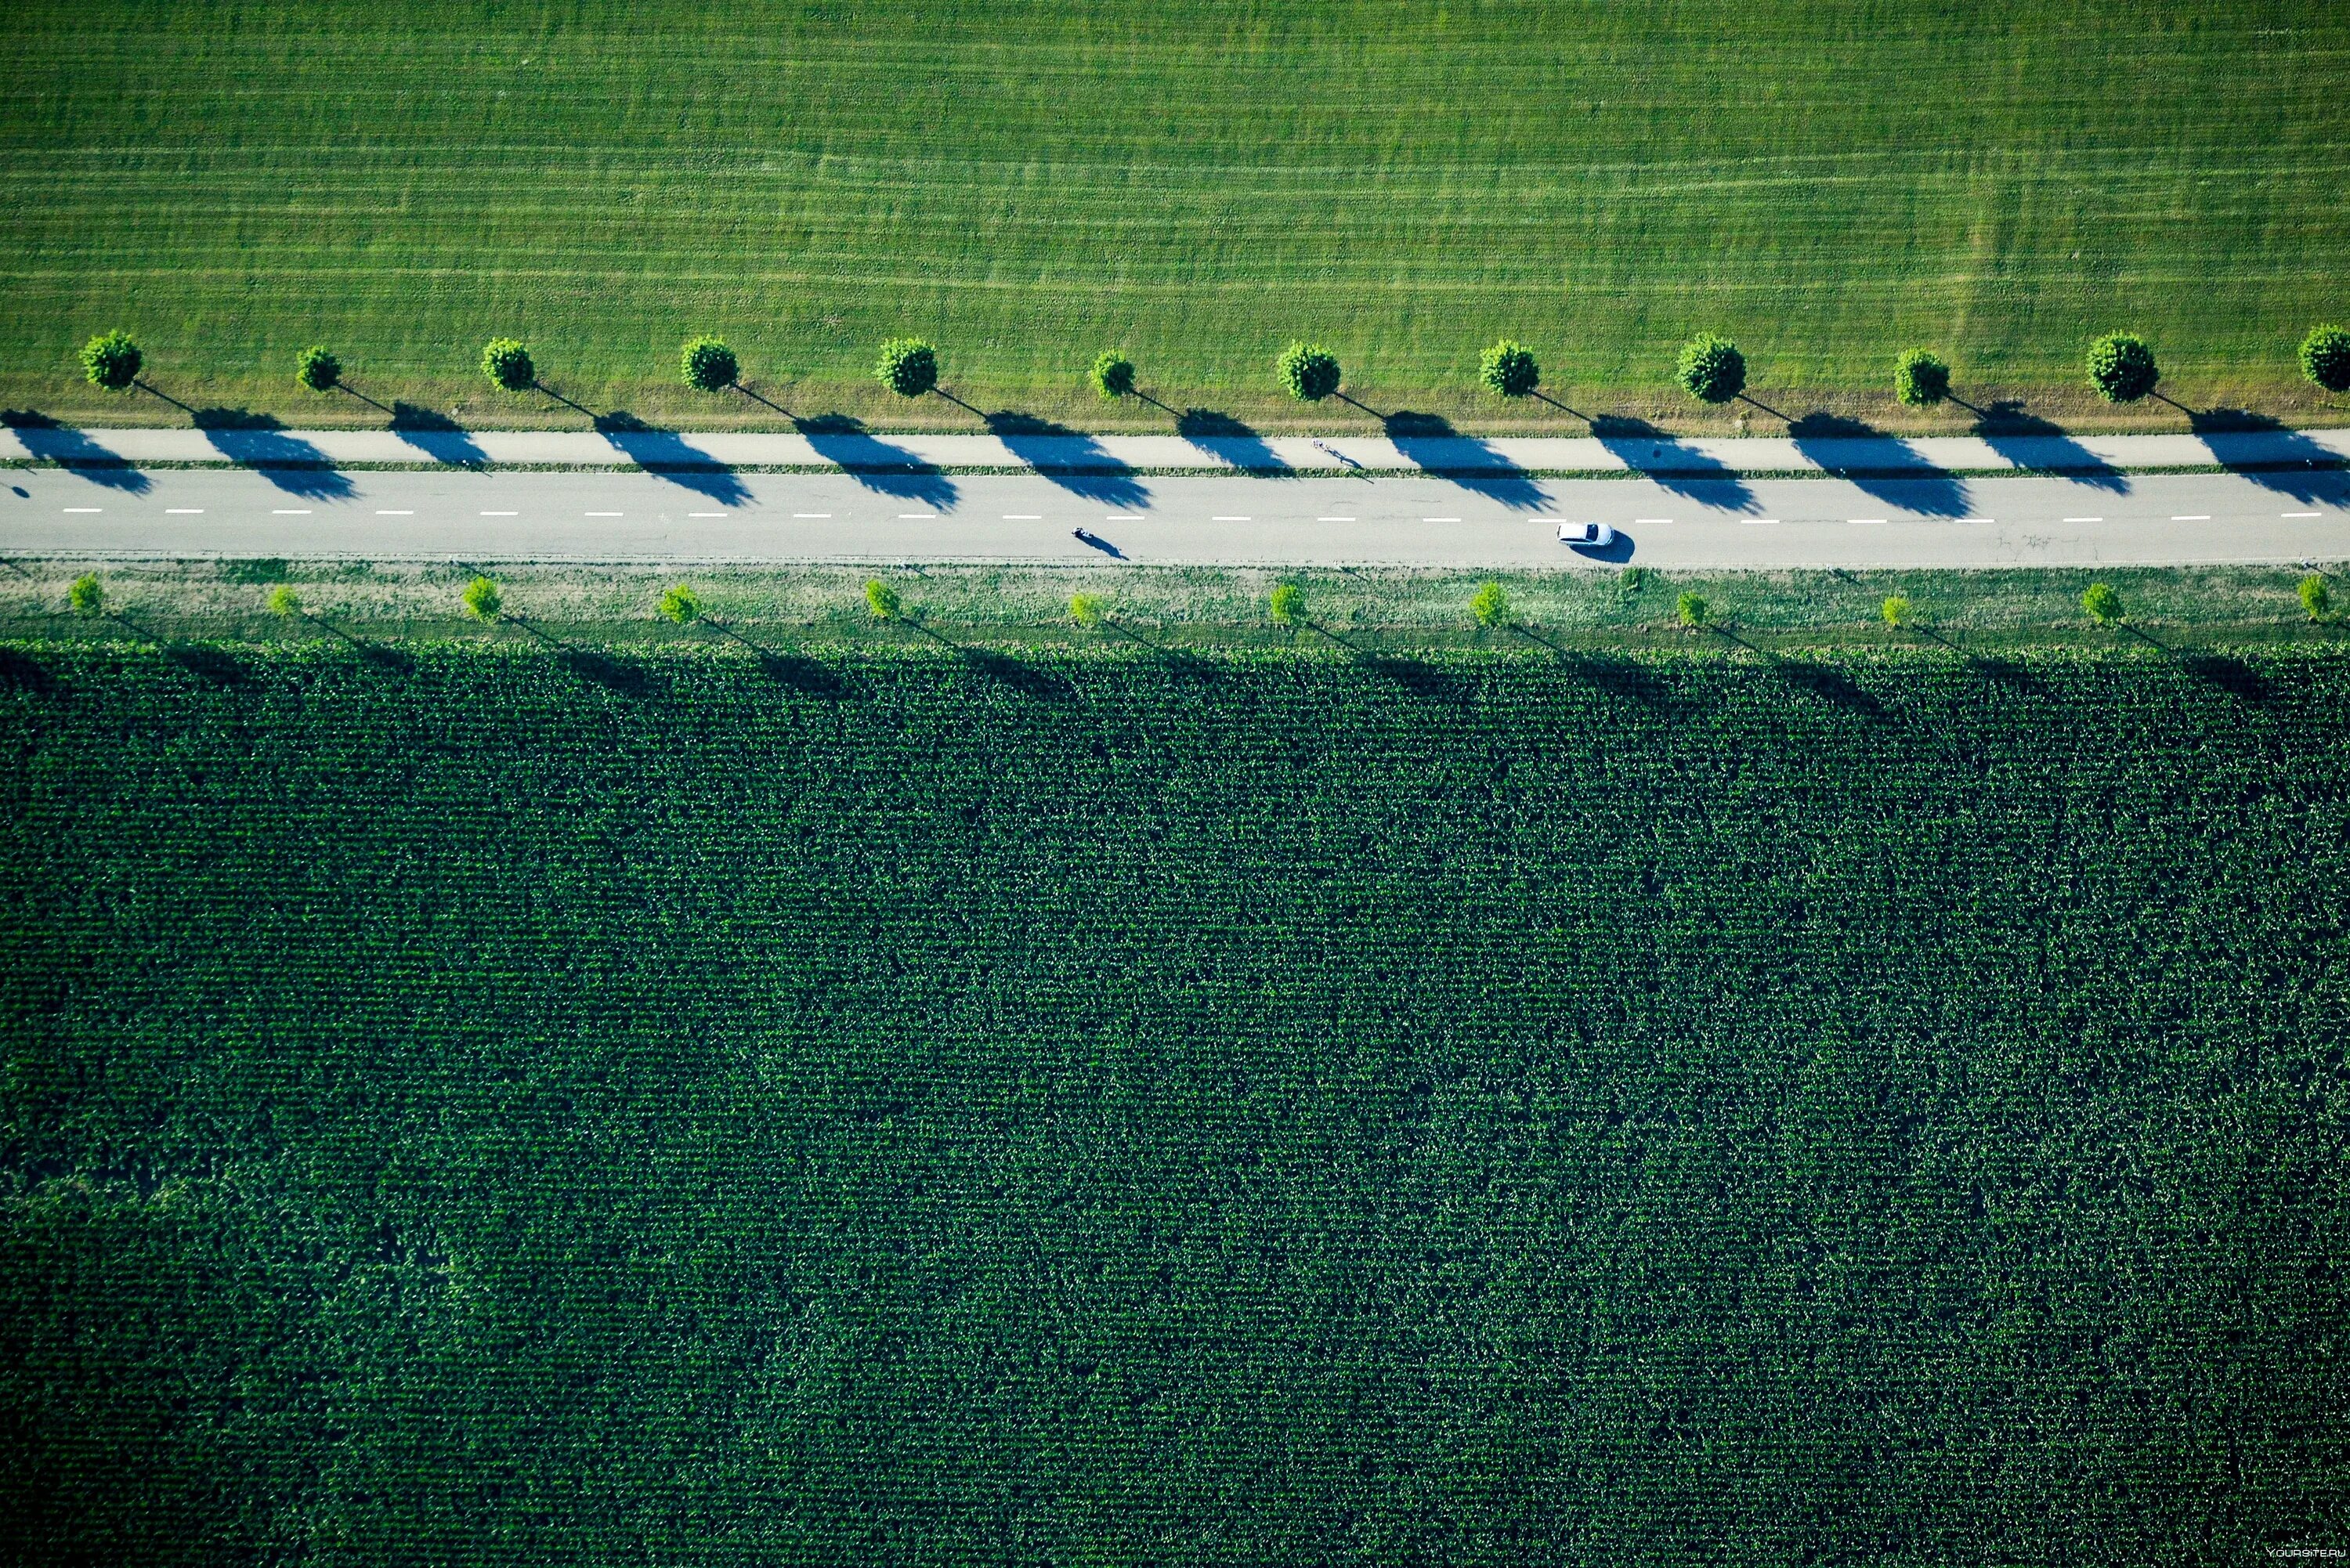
x: 2104, y: 605
x: 1287, y: 604
x: 318, y: 369
x: 680, y: 604
x: 1509, y: 370
x: 1112, y: 375
x: 883, y: 601
x: 2314, y: 597
x: 1309, y: 372
x: 2122, y: 368
x: 1710, y: 368
x: 283, y: 600
x: 708, y: 365
x: 507, y: 364
x: 87, y: 595
x: 111, y: 360
x: 482, y: 600
x: 1086, y: 609
x: 909, y: 367
x: 1920, y: 380
x: 1692, y: 608
x: 1896, y: 610
x: 1491, y: 605
x: 2325, y: 357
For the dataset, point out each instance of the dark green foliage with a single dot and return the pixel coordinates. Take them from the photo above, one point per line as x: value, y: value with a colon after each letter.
x: 1112, y: 375
x: 1671, y: 1110
x: 708, y: 365
x: 1710, y: 368
x: 1921, y: 379
x: 2122, y: 368
x: 318, y: 369
x: 1309, y: 372
x: 482, y: 600
x: 2325, y: 357
x: 508, y: 365
x: 1508, y: 369
x: 2102, y: 603
x: 909, y: 367
x: 111, y: 360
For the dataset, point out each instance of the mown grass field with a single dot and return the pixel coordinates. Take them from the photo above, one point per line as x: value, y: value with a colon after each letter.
x: 468, y: 1106
x: 1027, y: 182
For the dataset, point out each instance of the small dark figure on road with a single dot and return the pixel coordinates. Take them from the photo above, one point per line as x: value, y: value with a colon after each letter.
x: 1081, y: 535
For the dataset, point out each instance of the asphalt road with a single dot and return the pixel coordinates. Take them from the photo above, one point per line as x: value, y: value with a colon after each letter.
x: 2102, y: 518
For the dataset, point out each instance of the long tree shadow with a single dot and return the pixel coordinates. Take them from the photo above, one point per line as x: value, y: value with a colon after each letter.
x: 1177, y: 660
x: 2230, y: 675
x: 1000, y: 667
x: 259, y: 442
x: 2027, y: 440
x: 1227, y: 440
x: 21, y: 672
x: 1879, y: 464
x: 842, y: 440
x: 50, y: 441
x: 2271, y: 454
x: 795, y: 670
x: 1070, y: 459
x: 1672, y: 464
x: 2010, y: 675
x: 1826, y: 682
x: 1442, y: 451
x: 436, y: 435
x: 670, y: 456
x: 589, y: 664
x: 1421, y: 680
x: 1624, y: 677
x: 373, y: 652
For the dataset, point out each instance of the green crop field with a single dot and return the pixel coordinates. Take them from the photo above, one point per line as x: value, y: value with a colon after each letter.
x: 1027, y: 182
x: 482, y: 1106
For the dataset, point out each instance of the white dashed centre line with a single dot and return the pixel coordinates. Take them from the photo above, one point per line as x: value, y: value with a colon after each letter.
x: 1023, y: 517
x: 2191, y: 517
x: 1439, y: 519
x: 603, y: 515
x: 1637, y: 521
x: 1971, y: 520
x: 290, y: 511
x: 810, y: 516
x: 2084, y: 519
x: 916, y: 516
x: 2300, y: 514
x: 1760, y: 522
x: 1868, y: 521
x: 705, y: 514
x: 1334, y: 519
x: 501, y: 514
x: 1123, y: 517
x: 183, y: 510
x: 85, y: 508
x: 382, y: 513
x: 1231, y: 519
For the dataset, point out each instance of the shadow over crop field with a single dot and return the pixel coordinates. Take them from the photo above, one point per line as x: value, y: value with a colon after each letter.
x: 1029, y: 181
x: 1256, y: 1108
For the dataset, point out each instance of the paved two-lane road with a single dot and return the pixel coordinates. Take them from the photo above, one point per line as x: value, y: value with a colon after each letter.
x: 2105, y: 518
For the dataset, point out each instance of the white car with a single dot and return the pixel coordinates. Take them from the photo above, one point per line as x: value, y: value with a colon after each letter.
x: 1598, y: 534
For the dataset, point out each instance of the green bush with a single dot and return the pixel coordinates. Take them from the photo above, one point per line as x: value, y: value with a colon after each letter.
x: 1920, y: 380
x: 1710, y: 368
x: 283, y: 600
x: 1632, y: 579
x: 318, y: 369
x: 2104, y: 605
x: 1112, y: 375
x: 2122, y: 368
x: 1692, y: 608
x: 680, y: 604
x: 708, y: 365
x: 1309, y: 372
x: 1896, y: 610
x: 909, y: 367
x: 2325, y: 357
x: 883, y: 601
x: 2314, y: 599
x: 111, y: 360
x: 87, y: 595
x: 1491, y: 605
x: 1509, y: 370
x: 482, y: 600
x: 507, y: 365
x: 1287, y: 604
x: 1086, y: 609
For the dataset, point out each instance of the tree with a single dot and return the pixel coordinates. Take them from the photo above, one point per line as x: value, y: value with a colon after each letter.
x: 482, y: 600
x: 2104, y: 605
x: 2313, y: 596
x: 111, y: 360
x: 507, y: 365
x: 87, y: 595
x: 318, y: 369
x: 1287, y: 604
x: 680, y: 604
x: 1896, y: 610
x: 909, y: 367
x: 1491, y: 605
x: 283, y: 600
x: 1692, y: 608
x: 708, y: 365
x: 1920, y: 380
x: 1509, y: 370
x: 1086, y: 609
x: 2122, y: 368
x: 2325, y: 357
x: 883, y: 601
x: 1309, y: 372
x: 1112, y: 375
x: 1710, y: 368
